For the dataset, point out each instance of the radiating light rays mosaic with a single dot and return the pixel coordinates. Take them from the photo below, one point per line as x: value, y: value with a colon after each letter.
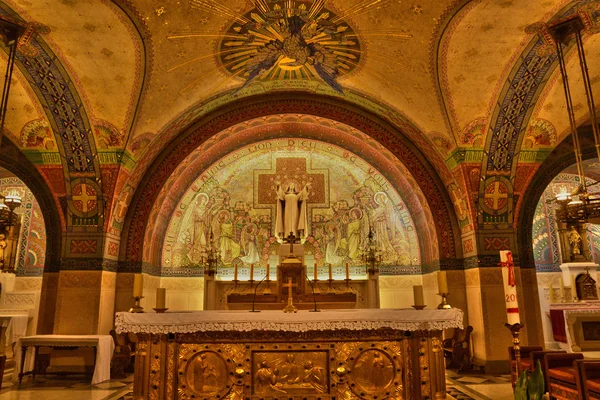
x: 290, y: 40
x: 234, y: 203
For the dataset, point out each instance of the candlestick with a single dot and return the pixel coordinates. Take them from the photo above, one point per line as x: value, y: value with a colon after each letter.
x: 442, y: 282
x: 161, y: 297
x: 330, y: 273
x: 574, y: 298
x: 515, y: 329
x: 444, y: 304
x: 551, y: 293
x: 138, y: 285
x: 562, y: 290
x: 347, y: 272
x: 251, y: 272
x: 136, y: 305
x: 418, y: 296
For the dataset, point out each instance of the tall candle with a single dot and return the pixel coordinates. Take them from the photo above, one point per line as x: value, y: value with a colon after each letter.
x: 330, y: 272
x: 268, y: 273
x: 138, y: 285
x: 510, y: 287
x: 573, y: 288
x: 235, y: 272
x: 251, y: 272
x: 551, y: 293
x: 316, y: 272
x: 347, y: 272
x: 442, y: 282
x: 161, y: 297
x: 562, y: 289
x: 418, y: 295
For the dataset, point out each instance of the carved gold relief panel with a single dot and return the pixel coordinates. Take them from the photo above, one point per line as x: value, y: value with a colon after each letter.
x: 320, y: 370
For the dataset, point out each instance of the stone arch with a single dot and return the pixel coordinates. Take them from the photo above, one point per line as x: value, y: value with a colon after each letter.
x: 13, y: 160
x: 177, y: 150
x: 561, y: 158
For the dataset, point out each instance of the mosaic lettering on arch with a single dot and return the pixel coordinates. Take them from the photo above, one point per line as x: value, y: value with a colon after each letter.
x: 231, y: 208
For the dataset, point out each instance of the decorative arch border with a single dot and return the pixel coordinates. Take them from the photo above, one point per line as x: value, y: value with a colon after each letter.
x: 13, y: 160
x: 177, y: 150
x: 561, y: 158
x: 184, y: 176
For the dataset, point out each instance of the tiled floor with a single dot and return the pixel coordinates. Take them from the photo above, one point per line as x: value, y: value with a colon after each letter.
x: 460, y: 387
x: 478, y: 387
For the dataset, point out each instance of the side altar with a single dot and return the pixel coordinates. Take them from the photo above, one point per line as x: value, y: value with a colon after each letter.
x: 350, y: 354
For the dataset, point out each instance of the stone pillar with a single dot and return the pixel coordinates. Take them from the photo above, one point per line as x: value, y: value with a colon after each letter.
x: 487, y: 315
x: 85, y: 291
x: 47, y: 310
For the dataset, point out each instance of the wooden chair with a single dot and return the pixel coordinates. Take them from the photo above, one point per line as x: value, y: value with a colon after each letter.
x: 457, y: 349
x: 562, y: 375
x: 541, y: 356
x: 526, y: 363
x: 589, y: 383
x: 122, y: 356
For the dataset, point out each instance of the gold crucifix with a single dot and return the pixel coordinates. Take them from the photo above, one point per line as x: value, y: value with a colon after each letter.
x: 290, y: 308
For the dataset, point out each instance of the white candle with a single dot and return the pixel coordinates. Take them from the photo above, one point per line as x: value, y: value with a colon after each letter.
x: 316, y: 272
x: 562, y: 288
x: 442, y: 282
x: 268, y: 273
x: 347, y: 272
x: 551, y: 293
x: 138, y: 285
x: 330, y: 272
x: 418, y: 295
x: 573, y: 288
x: 235, y: 272
x: 251, y: 272
x: 161, y: 297
x: 510, y: 291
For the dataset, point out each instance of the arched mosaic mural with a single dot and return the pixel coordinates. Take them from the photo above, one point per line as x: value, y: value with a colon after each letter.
x: 234, y: 202
x: 545, y: 239
x: 31, y: 248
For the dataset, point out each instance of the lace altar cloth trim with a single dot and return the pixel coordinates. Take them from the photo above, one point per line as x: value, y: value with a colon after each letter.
x: 303, y: 321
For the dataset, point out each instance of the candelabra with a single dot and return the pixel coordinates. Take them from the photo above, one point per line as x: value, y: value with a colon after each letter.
x: 10, y: 226
x: 371, y: 255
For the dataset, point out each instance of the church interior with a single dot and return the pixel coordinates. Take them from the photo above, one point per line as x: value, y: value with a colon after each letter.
x: 299, y: 199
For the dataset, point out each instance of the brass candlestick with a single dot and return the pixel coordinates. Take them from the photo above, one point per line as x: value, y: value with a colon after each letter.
x: 136, y: 305
x: 290, y: 308
x: 419, y: 307
x: 316, y: 287
x: 160, y: 310
x: 444, y: 304
x: 515, y: 329
x: 331, y: 290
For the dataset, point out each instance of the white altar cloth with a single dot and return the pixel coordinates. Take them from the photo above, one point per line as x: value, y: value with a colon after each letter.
x: 104, y: 345
x: 244, y: 321
x: 16, y: 326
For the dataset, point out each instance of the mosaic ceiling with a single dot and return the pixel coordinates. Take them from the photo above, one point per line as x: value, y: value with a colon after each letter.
x: 102, y: 86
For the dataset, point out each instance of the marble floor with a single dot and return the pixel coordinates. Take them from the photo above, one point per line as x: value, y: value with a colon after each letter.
x: 460, y: 387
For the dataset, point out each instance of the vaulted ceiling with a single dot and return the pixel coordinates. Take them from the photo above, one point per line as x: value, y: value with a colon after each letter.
x: 140, y: 71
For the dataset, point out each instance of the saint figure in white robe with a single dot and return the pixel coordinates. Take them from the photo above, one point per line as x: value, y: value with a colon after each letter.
x: 292, y: 216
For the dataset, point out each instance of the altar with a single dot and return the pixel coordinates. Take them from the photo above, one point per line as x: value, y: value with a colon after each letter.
x: 350, y: 354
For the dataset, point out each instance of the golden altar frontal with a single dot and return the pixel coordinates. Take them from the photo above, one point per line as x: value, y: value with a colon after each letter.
x: 334, y: 354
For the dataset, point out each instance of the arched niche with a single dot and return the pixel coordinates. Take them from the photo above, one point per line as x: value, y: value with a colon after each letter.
x: 379, y: 132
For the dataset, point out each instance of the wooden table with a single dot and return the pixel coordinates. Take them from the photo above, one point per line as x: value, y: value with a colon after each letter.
x: 103, y: 344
